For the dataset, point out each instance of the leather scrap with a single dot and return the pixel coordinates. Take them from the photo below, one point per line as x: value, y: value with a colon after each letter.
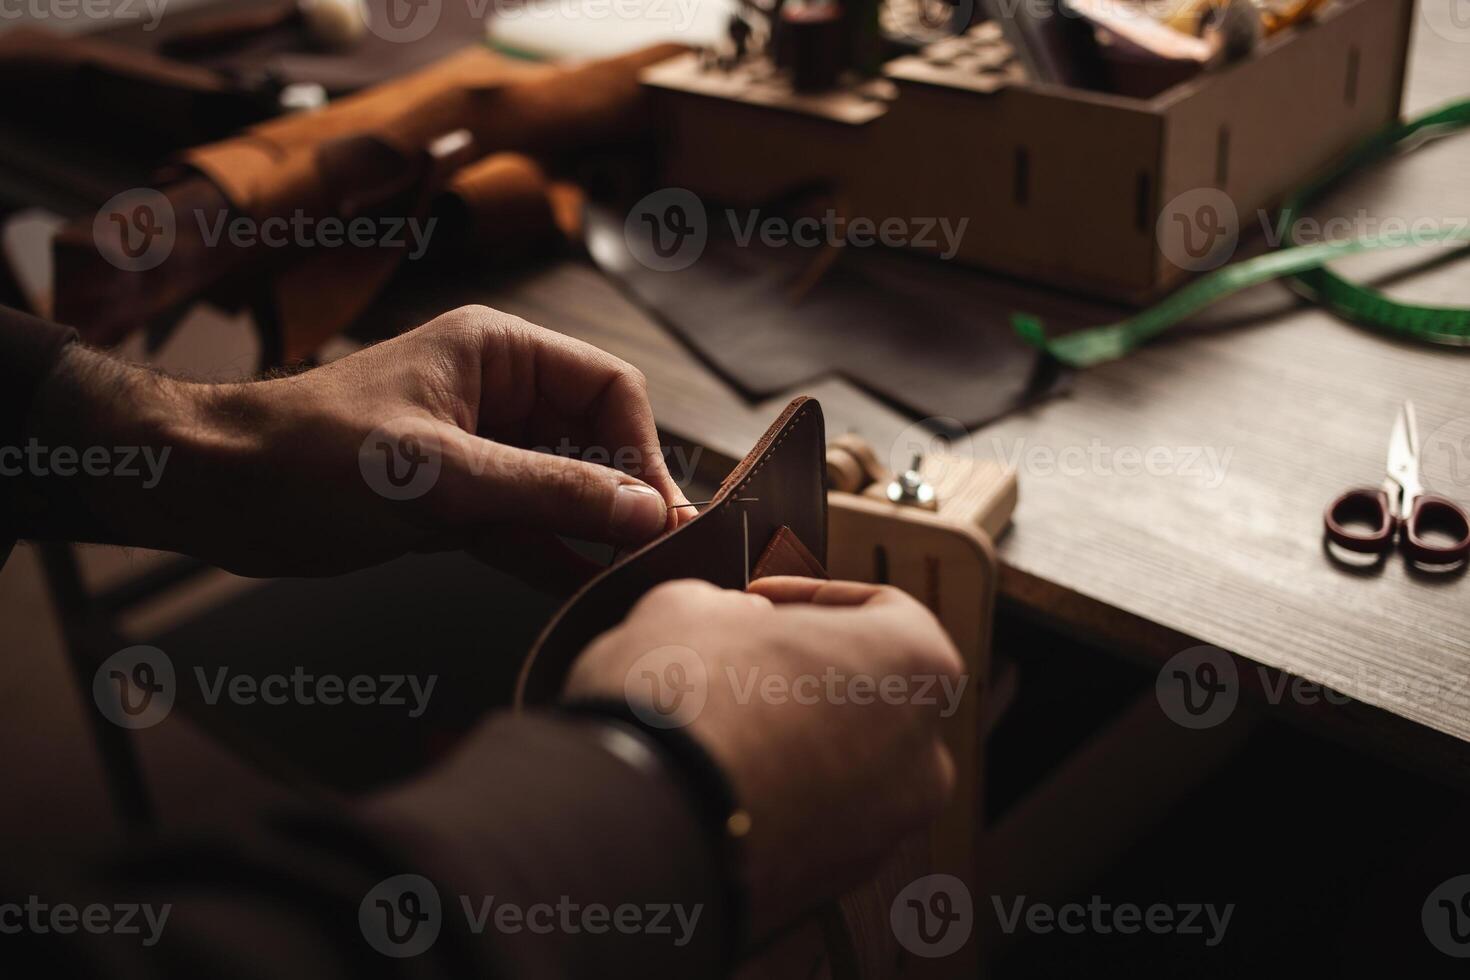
x: 920, y: 333
x: 373, y: 154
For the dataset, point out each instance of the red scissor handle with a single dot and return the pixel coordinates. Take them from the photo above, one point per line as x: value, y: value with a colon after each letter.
x: 1365, y: 505
x: 1433, y: 513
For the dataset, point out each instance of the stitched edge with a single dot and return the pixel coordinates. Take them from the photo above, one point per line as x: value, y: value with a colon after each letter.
x: 766, y: 456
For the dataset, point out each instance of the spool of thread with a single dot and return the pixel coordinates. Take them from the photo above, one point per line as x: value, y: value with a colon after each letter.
x: 1240, y: 28
x: 814, y: 44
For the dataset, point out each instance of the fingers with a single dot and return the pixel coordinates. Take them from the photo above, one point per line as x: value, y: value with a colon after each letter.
x: 486, y: 484
x: 524, y: 363
x: 792, y: 588
x: 911, y: 627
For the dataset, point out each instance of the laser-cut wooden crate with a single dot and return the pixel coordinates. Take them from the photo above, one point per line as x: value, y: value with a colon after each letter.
x: 1061, y: 186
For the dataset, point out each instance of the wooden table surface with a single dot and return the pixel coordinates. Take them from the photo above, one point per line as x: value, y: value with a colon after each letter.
x: 1294, y: 405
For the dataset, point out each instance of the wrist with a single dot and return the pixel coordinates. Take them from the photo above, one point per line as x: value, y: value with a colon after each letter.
x: 707, y: 791
x: 109, y: 451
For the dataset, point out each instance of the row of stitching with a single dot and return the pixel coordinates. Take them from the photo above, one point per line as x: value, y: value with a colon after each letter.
x: 766, y: 456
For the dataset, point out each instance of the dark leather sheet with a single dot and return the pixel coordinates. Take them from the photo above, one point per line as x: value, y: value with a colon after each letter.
x: 925, y: 335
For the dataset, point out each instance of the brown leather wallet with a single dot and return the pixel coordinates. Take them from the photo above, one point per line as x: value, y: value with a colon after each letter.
x: 769, y: 517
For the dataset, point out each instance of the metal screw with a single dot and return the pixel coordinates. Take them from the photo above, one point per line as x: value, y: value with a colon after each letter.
x: 910, y: 487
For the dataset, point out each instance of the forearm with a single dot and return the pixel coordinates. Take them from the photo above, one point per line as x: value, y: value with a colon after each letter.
x: 110, y: 453
x: 547, y: 855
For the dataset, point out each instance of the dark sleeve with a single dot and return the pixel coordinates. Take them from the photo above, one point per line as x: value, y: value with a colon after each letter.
x: 28, y: 348
x: 548, y: 846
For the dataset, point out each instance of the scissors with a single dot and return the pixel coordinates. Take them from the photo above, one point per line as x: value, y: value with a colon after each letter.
x: 1400, y: 504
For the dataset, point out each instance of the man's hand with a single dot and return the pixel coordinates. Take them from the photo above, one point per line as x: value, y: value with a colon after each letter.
x: 816, y: 698
x: 423, y: 442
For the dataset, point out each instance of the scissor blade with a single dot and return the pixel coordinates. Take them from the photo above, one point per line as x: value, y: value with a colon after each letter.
x: 1403, y: 450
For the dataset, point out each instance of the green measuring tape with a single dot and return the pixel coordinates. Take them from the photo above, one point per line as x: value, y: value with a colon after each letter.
x: 1303, y: 266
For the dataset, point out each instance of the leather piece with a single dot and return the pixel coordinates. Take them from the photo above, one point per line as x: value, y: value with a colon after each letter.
x: 786, y: 555
x: 784, y: 473
x: 370, y: 155
x: 921, y: 333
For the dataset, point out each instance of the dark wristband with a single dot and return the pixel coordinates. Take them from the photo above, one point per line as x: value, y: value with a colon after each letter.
x: 710, y: 796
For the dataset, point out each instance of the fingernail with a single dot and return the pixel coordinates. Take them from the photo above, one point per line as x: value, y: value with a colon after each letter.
x: 638, y: 512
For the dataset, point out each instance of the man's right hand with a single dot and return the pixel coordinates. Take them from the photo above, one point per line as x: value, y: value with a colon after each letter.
x: 818, y: 699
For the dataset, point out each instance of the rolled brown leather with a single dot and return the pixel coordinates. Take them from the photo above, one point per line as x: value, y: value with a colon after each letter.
x: 373, y: 154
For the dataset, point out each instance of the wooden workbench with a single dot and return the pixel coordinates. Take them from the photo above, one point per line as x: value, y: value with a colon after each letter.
x: 1296, y: 406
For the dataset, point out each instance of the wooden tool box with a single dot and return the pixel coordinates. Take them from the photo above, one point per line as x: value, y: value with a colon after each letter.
x: 1061, y: 185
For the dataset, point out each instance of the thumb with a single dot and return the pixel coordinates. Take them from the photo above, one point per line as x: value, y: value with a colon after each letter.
x: 486, y: 482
